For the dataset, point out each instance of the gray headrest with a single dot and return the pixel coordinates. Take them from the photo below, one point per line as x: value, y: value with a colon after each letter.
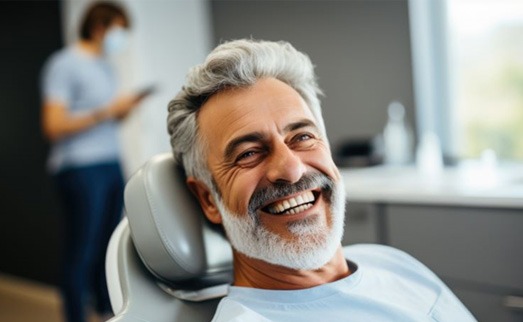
x: 169, y: 231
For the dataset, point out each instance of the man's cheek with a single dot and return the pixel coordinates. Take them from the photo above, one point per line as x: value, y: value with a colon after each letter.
x: 240, y: 198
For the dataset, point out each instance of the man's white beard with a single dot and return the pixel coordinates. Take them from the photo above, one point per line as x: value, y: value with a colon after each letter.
x: 313, y: 245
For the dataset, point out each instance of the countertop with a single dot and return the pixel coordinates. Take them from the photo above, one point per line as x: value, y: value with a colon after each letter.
x: 470, y: 185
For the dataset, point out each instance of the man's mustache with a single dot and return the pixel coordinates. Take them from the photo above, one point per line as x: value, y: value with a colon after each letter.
x: 280, y: 190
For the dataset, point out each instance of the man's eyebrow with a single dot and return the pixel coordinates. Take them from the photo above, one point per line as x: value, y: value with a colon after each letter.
x: 298, y: 125
x: 233, y: 144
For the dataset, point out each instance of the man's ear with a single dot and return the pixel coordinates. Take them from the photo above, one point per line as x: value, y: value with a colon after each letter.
x: 206, y: 199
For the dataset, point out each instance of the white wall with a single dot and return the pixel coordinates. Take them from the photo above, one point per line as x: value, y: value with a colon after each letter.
x: 168, y: 37
x: 361, y: 50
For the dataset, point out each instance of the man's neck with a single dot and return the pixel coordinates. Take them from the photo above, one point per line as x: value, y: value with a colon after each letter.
x: 249, y: 272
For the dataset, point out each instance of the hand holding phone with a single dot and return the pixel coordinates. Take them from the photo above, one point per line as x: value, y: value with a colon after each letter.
x: 145, y: 92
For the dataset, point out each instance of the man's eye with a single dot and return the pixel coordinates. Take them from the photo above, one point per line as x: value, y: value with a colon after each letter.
x: 245, y: 155
x: 304, y: 140
x: 303, y: 137
x: 250, y: 157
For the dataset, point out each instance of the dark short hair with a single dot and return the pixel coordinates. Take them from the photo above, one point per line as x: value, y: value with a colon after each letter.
x: 101, y: 13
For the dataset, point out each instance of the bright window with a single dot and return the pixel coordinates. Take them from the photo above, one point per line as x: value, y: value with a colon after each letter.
x: 485, y: 47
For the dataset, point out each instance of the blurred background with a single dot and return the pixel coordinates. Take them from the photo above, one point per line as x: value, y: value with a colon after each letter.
x: 439, y: 81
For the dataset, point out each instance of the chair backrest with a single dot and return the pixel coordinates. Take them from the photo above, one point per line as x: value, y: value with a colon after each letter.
x: 165, y: 262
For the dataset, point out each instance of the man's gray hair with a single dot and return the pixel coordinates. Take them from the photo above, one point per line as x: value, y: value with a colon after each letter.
x: 234, y: 64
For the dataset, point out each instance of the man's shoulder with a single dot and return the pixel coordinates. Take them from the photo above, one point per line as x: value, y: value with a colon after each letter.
x: 370, y: 253
x: 389, y: 277
x: 232, y: 311
x: 382, y: 260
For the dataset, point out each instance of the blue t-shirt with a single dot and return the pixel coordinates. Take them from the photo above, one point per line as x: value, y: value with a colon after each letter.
x: 388, y: 285
x: 82, y: 83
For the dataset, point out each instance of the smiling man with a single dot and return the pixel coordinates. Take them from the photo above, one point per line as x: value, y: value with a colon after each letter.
x: 248, y: 129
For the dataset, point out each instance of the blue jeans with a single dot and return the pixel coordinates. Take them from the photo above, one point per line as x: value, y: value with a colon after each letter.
x: 93, y: 201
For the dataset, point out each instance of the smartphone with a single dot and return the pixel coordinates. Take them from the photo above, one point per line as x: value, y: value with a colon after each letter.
x: 146, y: 91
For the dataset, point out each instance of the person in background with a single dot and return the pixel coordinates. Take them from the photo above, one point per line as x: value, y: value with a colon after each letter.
x: 80, y: 115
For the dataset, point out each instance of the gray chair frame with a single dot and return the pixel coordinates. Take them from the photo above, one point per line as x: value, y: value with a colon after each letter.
x: 164, y: 261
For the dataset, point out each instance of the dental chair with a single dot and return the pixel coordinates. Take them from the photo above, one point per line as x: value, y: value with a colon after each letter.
x: 165, y: 262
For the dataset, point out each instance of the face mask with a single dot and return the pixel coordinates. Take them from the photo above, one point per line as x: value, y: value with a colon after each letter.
x: 115, y: 41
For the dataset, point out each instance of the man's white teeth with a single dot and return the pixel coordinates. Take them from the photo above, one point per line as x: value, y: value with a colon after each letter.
x: 298, y: 209
x: 293, y: 205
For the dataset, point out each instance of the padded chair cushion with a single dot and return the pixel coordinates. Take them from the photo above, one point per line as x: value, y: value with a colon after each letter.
x: 169, y: 231
x: 135, y: 295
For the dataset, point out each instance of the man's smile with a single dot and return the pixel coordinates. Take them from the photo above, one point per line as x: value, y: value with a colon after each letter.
x: 292, y: 205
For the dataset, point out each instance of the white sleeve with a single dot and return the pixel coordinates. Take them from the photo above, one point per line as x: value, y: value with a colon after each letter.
x: 231, y: 311
x: 56, y: 80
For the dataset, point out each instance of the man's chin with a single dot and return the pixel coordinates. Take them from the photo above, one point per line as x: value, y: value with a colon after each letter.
x: 309, y: 248
x: 311, y: 259
x: 310, y: 244
x: 309, y: 227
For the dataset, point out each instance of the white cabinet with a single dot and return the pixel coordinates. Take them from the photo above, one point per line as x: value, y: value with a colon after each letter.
x: 476, y: 251
x: 361, y: 224
x: 468, y: 232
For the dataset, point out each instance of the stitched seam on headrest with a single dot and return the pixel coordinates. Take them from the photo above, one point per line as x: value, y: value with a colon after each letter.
x: 154, y: 210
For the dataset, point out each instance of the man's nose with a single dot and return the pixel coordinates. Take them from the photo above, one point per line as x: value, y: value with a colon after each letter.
x: 285, y: 165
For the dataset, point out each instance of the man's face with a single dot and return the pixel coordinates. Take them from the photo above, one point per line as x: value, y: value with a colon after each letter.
x: 274, y: 172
